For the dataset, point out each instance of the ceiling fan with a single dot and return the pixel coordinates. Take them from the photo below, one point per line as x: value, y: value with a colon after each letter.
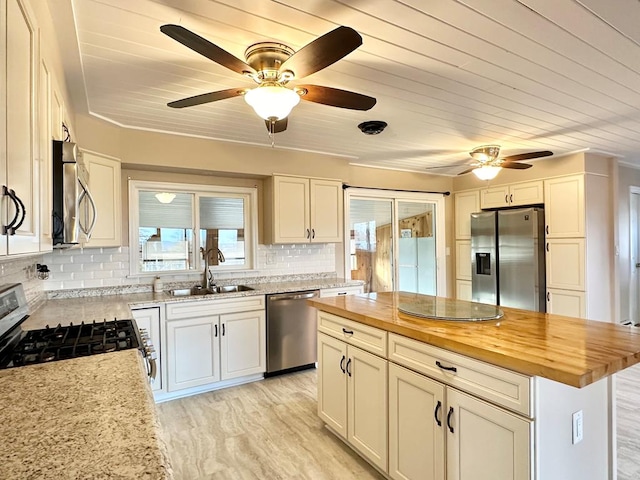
x: 272, y: 66
x: 488, y: 162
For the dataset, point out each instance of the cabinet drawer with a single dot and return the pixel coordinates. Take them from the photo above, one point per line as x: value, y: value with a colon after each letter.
x: 367, y: 338
x: 340, y: 291
x: 200, y: 308
x: 497, y: 385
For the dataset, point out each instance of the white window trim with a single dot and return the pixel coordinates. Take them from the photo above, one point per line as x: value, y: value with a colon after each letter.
x: 250, y: 234
x: 395, y: 196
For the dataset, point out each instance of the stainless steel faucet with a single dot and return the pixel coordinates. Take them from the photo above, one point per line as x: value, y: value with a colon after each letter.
x: 207, y: 276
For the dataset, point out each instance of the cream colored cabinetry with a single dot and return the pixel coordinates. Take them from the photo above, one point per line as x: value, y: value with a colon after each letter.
x: 466, y: 203
x: 352, y: 384
x: 105, y: 185
x: 516, y: 194
x: 303, y: 210
x: 148, y: 319
x: 211, y: 341
x: 341, y: 291
x: 19, y: 167
x: 578, y: 271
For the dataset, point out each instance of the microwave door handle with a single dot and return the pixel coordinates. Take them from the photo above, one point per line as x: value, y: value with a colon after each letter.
x: 80, y: 199
x: 95, y: 213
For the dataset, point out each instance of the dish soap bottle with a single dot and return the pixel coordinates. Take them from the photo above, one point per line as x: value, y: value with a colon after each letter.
x: 157, y: 285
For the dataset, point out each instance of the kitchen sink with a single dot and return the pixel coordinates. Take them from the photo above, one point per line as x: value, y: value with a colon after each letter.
x: 197, y: 290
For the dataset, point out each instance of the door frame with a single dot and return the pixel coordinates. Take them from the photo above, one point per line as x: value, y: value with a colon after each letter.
x: 395, y: 197
x: 634, y: 254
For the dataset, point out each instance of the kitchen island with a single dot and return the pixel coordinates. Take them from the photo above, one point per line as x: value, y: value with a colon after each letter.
x: 525, y: 396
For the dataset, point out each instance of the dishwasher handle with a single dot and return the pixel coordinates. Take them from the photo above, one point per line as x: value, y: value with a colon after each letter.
x: 295, y: 296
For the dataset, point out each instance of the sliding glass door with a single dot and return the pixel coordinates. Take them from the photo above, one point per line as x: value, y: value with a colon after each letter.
x: 396, y: 241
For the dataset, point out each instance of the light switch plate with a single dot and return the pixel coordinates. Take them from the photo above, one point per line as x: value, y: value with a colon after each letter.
x: 577, y: 429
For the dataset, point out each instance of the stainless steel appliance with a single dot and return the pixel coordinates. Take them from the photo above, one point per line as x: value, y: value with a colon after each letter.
x: 74, y: 210
x: 291, y: 332
x: 20, y: 347
x: 508, y: 259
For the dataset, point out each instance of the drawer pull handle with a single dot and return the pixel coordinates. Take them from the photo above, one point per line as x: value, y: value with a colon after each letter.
x: 547, y: 246
x: 223, y: 329
x: 348, y: 363
x: 511, y: 198
x: 506, y: 199
x: 546, y: 229
x: 342, y: 293
x: 548, y: 297
x: 342, y: 364
x: 451, y: 369
x: 435, y: 414
x: 215, y: 327
x: 449, y: 415
x: 347, y: 332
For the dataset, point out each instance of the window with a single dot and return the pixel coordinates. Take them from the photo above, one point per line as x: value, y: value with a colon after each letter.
x: 164, y: 219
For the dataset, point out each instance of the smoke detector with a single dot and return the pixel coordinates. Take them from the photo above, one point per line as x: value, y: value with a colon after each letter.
x: 372, y: 127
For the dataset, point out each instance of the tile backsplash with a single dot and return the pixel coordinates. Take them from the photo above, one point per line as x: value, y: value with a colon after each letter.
x: 23, y: 270
x: 109, y: 267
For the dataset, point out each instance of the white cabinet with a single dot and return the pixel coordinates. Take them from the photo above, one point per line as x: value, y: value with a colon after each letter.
x: 466, y: 203
x: 416, y: 431
x: 212, y: 341
x: 193, y: 352
x: 341, y: 291
x: 464, y: 290
x: 303, y: 210
x: 105, y: 186
x: 352, y: 396
x: 566, y: 302
x: 485, y: 442
x: 19, y: 167
x: 564, y: 206
x: 566, y: 263
x: 516, y: 194
x: 463, y: 260
x: 148, y: 318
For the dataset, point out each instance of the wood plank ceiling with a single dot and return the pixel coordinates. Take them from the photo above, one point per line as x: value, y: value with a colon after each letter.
x: 559, y: 75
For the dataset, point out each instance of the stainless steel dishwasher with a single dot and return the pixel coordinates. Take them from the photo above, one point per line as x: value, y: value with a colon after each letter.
x: 291, y: 332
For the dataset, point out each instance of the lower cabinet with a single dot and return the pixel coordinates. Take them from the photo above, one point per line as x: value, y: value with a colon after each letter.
x: 148, y: 318
x: 242, y: 344
x: 352, y: 396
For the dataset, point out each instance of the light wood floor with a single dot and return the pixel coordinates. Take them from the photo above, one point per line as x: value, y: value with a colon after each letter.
x: 263, y: 430
x: 628, y: 406
x: 270, y: 430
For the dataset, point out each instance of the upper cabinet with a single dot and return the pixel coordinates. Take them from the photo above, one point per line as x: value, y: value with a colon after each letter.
x: 18, y: 146
x: 105, y: 186
x: 526, y: 193
x: 564, y: 206
x: 466, y: 203
x: 303, y: 210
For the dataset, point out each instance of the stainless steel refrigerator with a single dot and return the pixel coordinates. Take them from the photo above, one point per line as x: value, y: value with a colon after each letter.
x: 507, y: 258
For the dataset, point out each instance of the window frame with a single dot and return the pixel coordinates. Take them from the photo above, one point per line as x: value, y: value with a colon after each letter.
x: 248, y: 194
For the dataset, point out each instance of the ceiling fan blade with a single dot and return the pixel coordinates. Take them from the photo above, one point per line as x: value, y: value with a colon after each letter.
x: 468, y: 170
x: 336, y: 97
x: 323, y: 51
x: 277, y: 126
x: 205, y: 48
x: 527, y: 156
x: 207, y: 98
x: 516, y: 165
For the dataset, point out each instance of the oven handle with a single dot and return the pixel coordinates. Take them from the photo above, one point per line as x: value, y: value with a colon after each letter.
x: 153, y: 369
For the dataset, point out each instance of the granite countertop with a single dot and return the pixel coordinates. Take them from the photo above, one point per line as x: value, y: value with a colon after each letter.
x: 568, y: 350
x: 76, y: 307
x: 89, y: 418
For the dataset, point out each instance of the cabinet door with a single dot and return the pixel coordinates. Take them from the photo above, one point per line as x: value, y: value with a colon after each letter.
x: 291, y: 210
x: 529, y: 193
x: 463, y: 260
x: 193, y: 352
x: 332, y: 383
x: 21, y: 145
x: 416, y: 429
x: 571, y: 303
x: 242, y: 344
x: 485, y: 442
x: 565, y: 260
x: 326, y: 210
x: 340, y: 291
x: 367, y: 412
x: 149, y: 319
x: 45, y: 156
x: 495, y: 197
x: 466, y: 203
x: 464, y: 290
x: 104, y: 184
x: 564, y: 206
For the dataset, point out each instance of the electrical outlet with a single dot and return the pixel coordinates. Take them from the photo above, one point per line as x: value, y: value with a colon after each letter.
x: 271, y: 258
x: 578, y: 427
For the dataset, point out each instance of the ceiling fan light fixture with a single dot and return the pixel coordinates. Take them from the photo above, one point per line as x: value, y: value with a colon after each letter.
x: 272, y: 101
x: 165, y: 197
x: 485, y: 153
x: 487, y: 172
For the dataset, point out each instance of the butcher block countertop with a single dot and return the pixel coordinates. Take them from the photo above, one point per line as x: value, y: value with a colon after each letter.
x: 568, y: 350
x: 90, y: 418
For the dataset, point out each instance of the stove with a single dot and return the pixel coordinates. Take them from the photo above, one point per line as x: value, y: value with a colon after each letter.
x: 20, y: 347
